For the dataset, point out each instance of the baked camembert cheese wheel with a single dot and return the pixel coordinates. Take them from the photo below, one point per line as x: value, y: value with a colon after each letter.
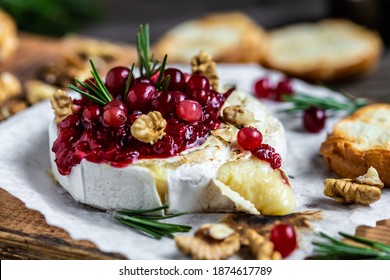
x: 169, y: 137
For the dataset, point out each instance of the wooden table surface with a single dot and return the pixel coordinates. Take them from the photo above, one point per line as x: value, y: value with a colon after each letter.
x: 24, y: 234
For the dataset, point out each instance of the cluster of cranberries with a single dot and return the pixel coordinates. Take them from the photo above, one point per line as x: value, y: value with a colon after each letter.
x: 313, y: 118
x: 102, y: 133
x: 251, y: 139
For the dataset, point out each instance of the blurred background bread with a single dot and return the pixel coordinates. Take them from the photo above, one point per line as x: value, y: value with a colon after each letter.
x: 359, y: 141
x: 323, y: 51
x: 228, y: 37
x: 8, y: 36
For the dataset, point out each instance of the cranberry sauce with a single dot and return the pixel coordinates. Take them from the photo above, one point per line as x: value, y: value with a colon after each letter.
x: 101, y: 134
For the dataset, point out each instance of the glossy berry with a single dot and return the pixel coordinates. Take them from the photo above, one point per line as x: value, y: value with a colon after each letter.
x: 116, y: 103
x: 140, y: 96
x: 114, y: 117
x: 284, y: 238
x: 165, y: 103
x: 284, y: 87
x: 132, y: 117
x: 116, y: 80
x: 198, y: 82
x: 262, y: 88
x: 91, y: 113
x: 202, y: 96
x: 314, y: 119
x: 178, y: 96
x: 249, y: 138
x: 189, y: 110
x: 176, y: 81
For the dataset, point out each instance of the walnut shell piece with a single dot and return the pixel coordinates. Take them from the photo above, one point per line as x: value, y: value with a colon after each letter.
x: 37, y: 90
x: 210, y: 242
x: 237, y: 115
x: 10, y: 86
x: 203, y: 64
x: 149, y: 128
x: 262, y: 248
x: 348, y: 191
x: 61, y: 104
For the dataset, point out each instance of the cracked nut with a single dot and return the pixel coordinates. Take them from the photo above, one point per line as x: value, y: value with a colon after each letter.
x: 261, y: 248
x: 210, y: 242
x: 203, y: 64
x: 364, y: 190
x: 10, y: 86
x: 61, y: 104
x: 37, y: 91
x: 237, y: 116
x: 149, y: 128
x: 11, y: 108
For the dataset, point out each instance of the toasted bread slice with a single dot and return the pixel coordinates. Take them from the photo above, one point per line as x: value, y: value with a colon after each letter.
x: 359, y: 141
x: 8, y: 36
x: 323, y: 51
x: 228, y: 37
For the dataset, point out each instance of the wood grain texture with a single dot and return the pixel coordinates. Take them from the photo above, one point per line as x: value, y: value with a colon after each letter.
x: 24, y: 234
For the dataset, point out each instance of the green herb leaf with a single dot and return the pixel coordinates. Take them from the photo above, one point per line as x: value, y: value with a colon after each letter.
x: 337, y: 249
x: 128, y: 81
x: 148, y: 224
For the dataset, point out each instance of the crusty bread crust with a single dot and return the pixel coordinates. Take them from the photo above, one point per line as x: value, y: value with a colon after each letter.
x: 344, y: 158
x: 8, y: 36
x: 327, y: 40
x: 228, y: 37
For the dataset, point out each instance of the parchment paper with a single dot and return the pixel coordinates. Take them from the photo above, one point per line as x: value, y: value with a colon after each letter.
x: 24, y: 163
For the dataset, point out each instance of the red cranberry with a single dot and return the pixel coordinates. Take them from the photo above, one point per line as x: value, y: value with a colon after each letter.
x: 70, y: 121
x: 165, y: 103
x: 267, y: 153
x: 140, y: 96
x: 201, y: 96
x: 131, y: 118
x: 144, y: 80
x: 187, y: 77
x: 177, y: 80
x: 178, y: 96
x: 249, y: 138
x: 262, y: 88
x: 198, y: 82
x: 284, y: 238
x: 189, y: 110
x: 116, y: 103
x: 314, y: 119
x: 114, y: 117
x: 91, y: 113
x: 284, y: 87
x: 116, y: 80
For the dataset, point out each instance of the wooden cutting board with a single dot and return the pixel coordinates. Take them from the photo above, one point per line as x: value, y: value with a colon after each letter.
x: 24, y: 233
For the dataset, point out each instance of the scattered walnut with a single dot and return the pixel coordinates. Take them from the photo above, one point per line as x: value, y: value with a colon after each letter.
x: 61, y: 104
x: 262, y: 248
x: 10, y: 86
x: 12, y: 107
x: 63, y: 71
x: 226, y: 133
x: 107, y: 51
x: 149, y: 128
x: 203, y: 64
x: 237, y: 116
x: 37, y: 91
x: 350, y: 191
x: 205, y: 246
x: 370, y: 178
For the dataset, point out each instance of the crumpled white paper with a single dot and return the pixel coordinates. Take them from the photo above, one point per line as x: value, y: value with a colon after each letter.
x: 24, y: 163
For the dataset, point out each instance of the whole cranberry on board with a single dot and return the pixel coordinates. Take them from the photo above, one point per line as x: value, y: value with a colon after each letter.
x: 314, y: 119
x: 264, y: 89
x: 284, y: 238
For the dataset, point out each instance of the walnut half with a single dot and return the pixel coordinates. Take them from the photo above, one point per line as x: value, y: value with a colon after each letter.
x: 210, y: 242
x: 364, y: 190
x: 237, y: 115
x: 203, y: 64
x: 149, y: 128
x: 61, y: 104
x: 262, y: 248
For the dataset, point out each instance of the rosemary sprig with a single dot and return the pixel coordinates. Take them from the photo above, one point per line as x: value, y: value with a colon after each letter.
x: 97, y: 93
x: 148, y: 66
x: 128, y: 81
x: 337, y: 249
x: 148, y: 223
x: 301, y: 101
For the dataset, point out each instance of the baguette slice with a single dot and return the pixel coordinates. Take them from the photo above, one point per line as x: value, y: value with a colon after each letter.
x: 359, y: 141
x: 327, y: 50
x: 8, y: 36
x: 228, y: 37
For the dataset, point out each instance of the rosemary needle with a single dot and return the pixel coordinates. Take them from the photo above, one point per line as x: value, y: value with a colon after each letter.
x: 149, y: 224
